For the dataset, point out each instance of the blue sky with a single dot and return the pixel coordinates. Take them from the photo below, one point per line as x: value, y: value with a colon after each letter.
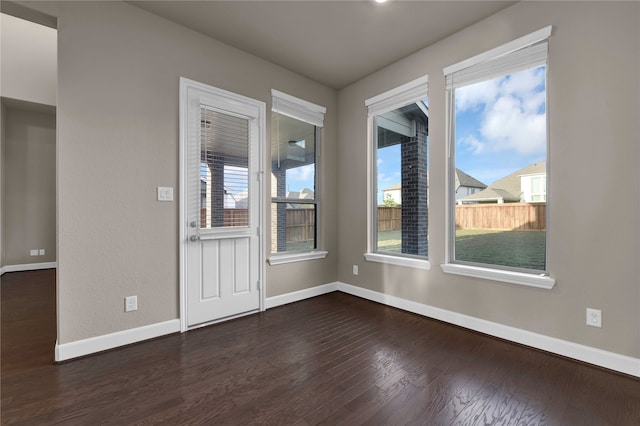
x: 501, y: 125
x: 500, y: 128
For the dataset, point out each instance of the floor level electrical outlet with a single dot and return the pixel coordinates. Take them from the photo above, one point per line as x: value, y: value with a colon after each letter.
x: 33, y: 252
x: 355, y: 269
x: 41, y: 252
x: 594, y: 317
x: 130, y: 303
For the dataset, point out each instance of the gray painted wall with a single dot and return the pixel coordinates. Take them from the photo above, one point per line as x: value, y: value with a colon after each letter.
x: 118, y: 140
x: 29, y: 183
x: 594, y: 230
x: 118, y: 80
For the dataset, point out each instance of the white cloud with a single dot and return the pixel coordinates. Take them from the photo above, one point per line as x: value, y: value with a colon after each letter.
x: 511, y: 114
x: 472, y: 144
x: 523, y: 82
x: 302, y: 173
x: 472, y: 96
x: 507, y: 126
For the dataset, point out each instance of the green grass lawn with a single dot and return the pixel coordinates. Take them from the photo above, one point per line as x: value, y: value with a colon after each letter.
x: 390, y: 241
x: 300, y: 246
x: 518, y: 249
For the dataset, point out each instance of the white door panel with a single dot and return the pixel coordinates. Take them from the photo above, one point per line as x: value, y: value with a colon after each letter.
x: 222, y: 205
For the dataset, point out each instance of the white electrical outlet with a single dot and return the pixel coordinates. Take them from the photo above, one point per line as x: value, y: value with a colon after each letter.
x: 130, y: 303
x: 355, y: 269
x: 41, y: 252
x: 594, y: 317
x: 33, y: 252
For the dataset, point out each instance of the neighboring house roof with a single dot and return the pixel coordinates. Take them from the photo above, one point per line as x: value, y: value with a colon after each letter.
x: 463, y: 179
x: 305, y: 194
x: 508, y: 187
x: 394, y: 187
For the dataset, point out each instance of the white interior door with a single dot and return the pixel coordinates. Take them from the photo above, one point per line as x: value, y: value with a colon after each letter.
x: 221, y: 209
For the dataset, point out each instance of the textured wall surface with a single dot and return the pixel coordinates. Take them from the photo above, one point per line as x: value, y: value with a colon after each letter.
x: 594, y: 231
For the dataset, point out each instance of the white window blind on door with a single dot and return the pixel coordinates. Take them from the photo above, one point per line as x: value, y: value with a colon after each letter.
x: 224, y: 165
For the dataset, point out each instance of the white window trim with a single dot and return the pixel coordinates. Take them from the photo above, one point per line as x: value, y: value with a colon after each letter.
x: 503, y: 50
x: 282, y: 258
x: 291, y: 106
x: 297, y: 108
x: 512, y: 277
x: 495, y: 57
x: 398, y: 260
x: 413, y: 91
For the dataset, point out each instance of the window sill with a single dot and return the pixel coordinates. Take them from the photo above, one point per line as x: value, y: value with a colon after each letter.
x: 282, y: 258
x: 512, y: 277
x: 398, y: 260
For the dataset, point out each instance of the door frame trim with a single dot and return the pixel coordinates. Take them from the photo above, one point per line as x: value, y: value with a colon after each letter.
x: 185, y: 85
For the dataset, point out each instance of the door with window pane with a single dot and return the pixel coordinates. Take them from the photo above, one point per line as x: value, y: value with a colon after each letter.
x: 222, y: 255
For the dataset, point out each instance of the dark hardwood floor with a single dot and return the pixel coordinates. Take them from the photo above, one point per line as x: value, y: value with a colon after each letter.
x: 333, y: 359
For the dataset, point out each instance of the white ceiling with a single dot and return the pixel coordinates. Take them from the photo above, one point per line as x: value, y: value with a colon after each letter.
x: 333, y: 42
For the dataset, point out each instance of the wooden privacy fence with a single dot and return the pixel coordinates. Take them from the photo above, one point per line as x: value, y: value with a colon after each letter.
x: 232, y: 217
x: 389, y: 218
x: 512, y: 216
x: 301, y: 224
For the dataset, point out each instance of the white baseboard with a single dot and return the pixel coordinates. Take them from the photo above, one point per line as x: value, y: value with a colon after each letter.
x: 28, y: 267
x: 283, y: 299
x: 588, y: 354
x: 599, y: 357
x: 92, y: 345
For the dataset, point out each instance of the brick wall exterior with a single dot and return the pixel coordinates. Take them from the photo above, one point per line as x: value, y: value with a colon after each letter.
x: 414, y: 192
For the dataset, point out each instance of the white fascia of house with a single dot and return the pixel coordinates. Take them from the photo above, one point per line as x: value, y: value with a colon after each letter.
x: 533, y: 187
x: 395, y: 191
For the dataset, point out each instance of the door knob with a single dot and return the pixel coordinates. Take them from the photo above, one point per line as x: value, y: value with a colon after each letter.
x: 193, y: 224
x: 194, y: 238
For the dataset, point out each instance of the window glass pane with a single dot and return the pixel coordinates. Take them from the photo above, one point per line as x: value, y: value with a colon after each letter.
x: 224, y: 180
x: 293, y: 227
x: 402, y: 180
x: 500, y: 166
x: 293, y: 178
x: 293, y: 158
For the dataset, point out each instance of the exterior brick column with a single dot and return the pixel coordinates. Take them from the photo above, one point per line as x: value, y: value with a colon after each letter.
x: 414, y: 192
x: 216, y: 166
x: 279, y: 232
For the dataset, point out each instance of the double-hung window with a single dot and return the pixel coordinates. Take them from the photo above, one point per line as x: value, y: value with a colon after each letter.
x: 497, y: 135
x: 399, y: 178
x: 295, y: 138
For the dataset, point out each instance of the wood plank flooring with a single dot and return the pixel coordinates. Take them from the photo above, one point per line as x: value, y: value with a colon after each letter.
x: 331, y: 360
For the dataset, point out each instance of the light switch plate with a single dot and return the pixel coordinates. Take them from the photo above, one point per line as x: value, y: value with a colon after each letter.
x: 165, y: 193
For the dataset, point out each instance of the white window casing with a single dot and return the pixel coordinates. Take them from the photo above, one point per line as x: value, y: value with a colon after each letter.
x: 525, y: 52
x: 297, y: 108
x: 529, y: 51
x: 414, y: 91
x: 308, y: 112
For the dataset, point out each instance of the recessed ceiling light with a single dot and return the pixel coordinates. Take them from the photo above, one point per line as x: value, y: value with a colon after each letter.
x: 381, y: 1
